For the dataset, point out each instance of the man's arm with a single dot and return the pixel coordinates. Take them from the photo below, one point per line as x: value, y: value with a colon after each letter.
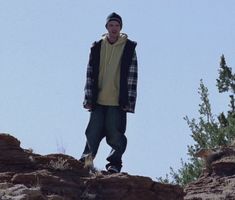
x: 132, y: 84
x: 88, y: 87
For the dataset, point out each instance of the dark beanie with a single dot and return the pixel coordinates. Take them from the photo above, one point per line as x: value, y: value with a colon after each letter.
x: 114, y: 17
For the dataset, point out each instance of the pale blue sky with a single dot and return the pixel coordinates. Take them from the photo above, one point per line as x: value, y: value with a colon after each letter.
x: 44, y: 48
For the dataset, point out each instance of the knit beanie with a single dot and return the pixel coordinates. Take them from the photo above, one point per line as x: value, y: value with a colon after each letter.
x: 114, y: 17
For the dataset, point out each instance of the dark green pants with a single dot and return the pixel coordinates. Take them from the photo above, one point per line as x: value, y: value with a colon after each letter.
x: 108, y: 122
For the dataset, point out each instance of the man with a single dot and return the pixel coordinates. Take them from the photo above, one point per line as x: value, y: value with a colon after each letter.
x: 110, y: 92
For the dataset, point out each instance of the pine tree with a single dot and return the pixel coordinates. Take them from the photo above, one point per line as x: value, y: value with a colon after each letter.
x: 207, y: 131
x: 226, y: 83
x: 226, y: 80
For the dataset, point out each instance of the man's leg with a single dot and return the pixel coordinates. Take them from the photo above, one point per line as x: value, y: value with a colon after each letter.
x: 94, y: 132
x: 115, y: 127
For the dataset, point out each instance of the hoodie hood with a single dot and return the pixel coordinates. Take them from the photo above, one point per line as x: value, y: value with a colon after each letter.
x: 121, y: 39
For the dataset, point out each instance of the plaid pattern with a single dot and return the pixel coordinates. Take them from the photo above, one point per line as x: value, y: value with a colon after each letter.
x: 131, y: 85
x: 88, y: 86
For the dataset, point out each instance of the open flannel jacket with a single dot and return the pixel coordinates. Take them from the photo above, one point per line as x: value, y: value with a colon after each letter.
x: 128, y: 76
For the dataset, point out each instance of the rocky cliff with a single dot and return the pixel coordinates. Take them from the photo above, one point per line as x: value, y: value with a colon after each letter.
x: 25, y: 175
x: 217, y: 182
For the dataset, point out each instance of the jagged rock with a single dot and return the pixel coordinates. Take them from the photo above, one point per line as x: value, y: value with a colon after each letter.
x: 128, y: 187
x: 217, y: 183
x: 12, y: 157
x: 20, y: 192
x: 25, y: 175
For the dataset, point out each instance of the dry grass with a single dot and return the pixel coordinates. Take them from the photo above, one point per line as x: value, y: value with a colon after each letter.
x: 59, y: 164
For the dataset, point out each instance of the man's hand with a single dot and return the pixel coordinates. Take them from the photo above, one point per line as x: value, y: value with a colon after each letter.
x: 88, y: 106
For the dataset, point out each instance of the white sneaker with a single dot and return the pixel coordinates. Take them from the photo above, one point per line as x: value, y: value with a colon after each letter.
x: 89, y: 161
x: 112, y: 169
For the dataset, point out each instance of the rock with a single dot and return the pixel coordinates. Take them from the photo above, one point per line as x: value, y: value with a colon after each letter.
x: 20, y: 192
x: 219, y: 181
x: 128, y: 187
x: 12, y: 157
x: 25, y: 175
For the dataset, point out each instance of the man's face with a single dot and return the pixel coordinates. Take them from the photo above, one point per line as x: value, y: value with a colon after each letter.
x: 113, y: 28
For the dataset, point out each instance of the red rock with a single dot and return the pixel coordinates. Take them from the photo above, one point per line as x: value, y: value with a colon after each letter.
x: 219, y: 183
x: 62, y: 177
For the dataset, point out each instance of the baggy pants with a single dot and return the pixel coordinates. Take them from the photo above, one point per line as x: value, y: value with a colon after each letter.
x: 108, y: 122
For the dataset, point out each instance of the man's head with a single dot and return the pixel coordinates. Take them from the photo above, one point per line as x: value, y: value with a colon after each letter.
x: 114, y: 17
x: 114, y: 26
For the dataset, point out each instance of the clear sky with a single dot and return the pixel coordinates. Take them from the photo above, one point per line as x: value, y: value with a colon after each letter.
x: 44, y: 48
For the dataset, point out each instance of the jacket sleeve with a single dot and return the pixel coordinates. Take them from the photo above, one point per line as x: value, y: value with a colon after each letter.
x: 89, y: 84
x: 132, y: 84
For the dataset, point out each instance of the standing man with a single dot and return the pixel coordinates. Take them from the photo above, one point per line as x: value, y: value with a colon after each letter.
x: 110, y: 92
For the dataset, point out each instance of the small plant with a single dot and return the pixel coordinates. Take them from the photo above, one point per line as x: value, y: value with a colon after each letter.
x: 60, y: 147
x: 60, y: 164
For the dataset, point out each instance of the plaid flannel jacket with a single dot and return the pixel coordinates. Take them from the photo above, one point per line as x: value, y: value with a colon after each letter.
x: 128, y: 77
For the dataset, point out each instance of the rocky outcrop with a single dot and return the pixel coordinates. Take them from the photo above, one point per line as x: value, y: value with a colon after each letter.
x: 25, y: 175
x: 126, y: 187
x: 218, y: 179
